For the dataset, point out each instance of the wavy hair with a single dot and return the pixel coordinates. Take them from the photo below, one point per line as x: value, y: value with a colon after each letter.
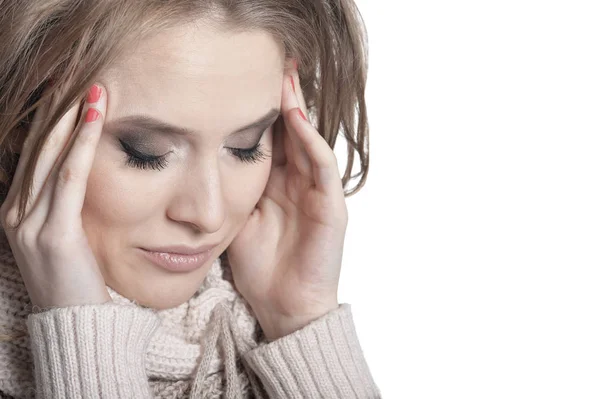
x: 69, y: 42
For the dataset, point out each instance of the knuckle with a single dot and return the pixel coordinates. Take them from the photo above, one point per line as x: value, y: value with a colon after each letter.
x: 66, y: 175
x: 333, y: 156
x: 84, y: 137
x: 48, y: 240
x: 289, y: 113
x: 26, y: 236
x: 9, y: 217
x: 333, y: 159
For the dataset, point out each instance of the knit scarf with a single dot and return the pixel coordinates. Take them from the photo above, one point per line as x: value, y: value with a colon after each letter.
x: 195, y: 353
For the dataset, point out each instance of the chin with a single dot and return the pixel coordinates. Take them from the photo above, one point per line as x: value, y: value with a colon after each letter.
x: 158, y: 290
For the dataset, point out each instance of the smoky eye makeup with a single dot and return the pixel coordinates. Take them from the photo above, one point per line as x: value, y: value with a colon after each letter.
x: 142, y: 141
x: 142, y: 159
x: 141, y: 149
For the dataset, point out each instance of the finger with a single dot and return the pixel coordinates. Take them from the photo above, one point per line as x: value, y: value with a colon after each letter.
x: 299, y: 156
x: 324, y: 162
x: 323, y: 158
x: 293, y: 71
x: 32, y: 134
x: 70, y: 180
x: 52, y: 149
x: 316, y: 150
x: 280, y: 149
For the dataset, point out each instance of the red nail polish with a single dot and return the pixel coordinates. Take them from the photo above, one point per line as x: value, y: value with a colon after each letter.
x: 302, y: 114
x: 94, y: 94
x: 92, y: 115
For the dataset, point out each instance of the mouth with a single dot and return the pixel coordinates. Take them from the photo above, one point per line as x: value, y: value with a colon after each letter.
x: 177, y: 262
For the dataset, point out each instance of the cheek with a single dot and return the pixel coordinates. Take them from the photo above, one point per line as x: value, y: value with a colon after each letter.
x: 246, y: 187
x: 248, y: 182
x: 114, y: 198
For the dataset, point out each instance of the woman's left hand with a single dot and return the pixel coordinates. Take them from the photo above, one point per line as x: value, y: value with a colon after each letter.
x: 286, y: 260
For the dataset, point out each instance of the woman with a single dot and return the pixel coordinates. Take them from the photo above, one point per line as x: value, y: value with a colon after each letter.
x: 173, y: 223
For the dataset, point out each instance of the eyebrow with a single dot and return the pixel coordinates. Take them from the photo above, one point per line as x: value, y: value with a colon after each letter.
x: 148, y: 123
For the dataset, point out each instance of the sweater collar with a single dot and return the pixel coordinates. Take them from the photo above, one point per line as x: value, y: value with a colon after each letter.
x: 204, y: 335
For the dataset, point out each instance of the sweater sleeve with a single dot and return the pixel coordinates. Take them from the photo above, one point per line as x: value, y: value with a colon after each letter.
x: 324, y: 359
x: 91, y: 351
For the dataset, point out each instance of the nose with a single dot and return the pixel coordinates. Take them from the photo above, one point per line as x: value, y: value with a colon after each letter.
x: 198, y: 199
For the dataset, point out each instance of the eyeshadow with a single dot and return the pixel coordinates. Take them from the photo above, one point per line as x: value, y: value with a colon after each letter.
x: 143, y: 142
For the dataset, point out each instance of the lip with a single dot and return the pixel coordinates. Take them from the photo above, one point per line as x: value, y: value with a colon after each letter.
x: 182, y: 249
x: 175, y: 262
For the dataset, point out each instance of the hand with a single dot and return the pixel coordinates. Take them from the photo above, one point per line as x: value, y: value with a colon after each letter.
x: 286, y: 260
x: 50, y: 246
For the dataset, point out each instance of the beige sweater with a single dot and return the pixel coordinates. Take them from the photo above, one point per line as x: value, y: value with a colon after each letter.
x: 208, y: 347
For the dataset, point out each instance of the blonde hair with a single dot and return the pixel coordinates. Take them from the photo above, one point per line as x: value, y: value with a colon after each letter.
x: 71, y: 41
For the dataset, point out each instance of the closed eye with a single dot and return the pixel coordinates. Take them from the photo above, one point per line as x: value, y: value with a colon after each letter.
x: 140, y: 160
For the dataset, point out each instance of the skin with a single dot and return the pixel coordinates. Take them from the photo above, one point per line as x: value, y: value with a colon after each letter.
x: 283, y: 221
x: 204, y: 80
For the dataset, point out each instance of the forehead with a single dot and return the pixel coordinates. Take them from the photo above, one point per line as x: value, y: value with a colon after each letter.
x: 197, y: 77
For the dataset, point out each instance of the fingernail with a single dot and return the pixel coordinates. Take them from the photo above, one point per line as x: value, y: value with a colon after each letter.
x: 302, y: 114
x: 94, y: 94
x: 295, y: 64
x: 293, y: 85
x: 92, y: 115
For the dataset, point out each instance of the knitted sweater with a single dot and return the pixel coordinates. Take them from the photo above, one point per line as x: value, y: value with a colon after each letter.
x: 208, y: 347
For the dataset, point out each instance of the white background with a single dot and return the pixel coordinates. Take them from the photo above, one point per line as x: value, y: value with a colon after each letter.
x: 472, y: 254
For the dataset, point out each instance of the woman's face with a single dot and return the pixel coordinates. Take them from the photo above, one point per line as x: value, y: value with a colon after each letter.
x: 211, y: 84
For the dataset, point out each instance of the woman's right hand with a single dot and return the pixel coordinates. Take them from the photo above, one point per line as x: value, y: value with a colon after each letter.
x: 50, y: 246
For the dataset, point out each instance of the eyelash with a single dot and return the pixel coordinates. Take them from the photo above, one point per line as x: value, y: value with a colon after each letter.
x: 138, y: 160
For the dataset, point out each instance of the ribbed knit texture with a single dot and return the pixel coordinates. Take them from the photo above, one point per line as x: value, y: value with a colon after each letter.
x: 85, y: 363
x: 211, y: 346
x: 322, y: 360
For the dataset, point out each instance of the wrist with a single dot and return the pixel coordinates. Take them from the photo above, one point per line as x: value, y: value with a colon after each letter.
x: 277, y: 326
